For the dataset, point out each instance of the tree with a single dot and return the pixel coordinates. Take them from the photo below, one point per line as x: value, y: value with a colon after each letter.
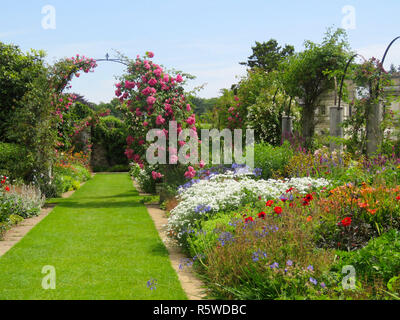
x: 18, y: 72
x: 268, y: 55
x: 310, y: 73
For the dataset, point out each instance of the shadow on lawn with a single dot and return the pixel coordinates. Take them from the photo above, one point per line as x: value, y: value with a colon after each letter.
x: 99, y: 203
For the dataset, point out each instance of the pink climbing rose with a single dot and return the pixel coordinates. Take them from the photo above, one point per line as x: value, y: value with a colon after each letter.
x: 191, y: 173
x: 151, y: 100
x: 160, y: 120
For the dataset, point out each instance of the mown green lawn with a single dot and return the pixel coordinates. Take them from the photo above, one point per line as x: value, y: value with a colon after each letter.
x: 102, y: 244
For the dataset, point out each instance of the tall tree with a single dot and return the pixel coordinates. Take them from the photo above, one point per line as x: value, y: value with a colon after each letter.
x: 268, y: 55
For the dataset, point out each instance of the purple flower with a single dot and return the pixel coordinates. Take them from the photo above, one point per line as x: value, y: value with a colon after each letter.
x: 313, y: 281
x: 310, y: 268
x: 323, y: 285
x: 289, y: 263
x: 274, y: 265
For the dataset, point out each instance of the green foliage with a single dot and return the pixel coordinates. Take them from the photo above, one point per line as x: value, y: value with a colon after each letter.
x: 111, y: 133
x: 309, y: 74
x: 379, y: 259
x: 272, y: 160
x: 143, y: 178
x: 15, y: 161
x: 268, y: 55
x: 17, y: 204
x: 18, y: 72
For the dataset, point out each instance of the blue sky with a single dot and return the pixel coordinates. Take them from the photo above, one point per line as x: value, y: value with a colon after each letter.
x: 205, y: 38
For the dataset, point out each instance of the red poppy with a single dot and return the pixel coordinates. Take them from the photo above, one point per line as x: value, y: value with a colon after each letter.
x: 7, y: 188
x: 309, y: 198
x: 305, y: 203
x: 3, y: 181
x: 289, y: 190
x: 291, y: 205
x: 269, y: 203
x: 398, y: 198
x: 249, y: 219
x: 346, y: 222
x: 278, y: 210
x: 262, y: 215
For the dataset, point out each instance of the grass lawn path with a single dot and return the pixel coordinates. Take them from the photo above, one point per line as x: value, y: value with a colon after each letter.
x: 103, y: 245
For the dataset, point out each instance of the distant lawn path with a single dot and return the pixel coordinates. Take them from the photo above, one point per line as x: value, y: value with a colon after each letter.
x: 103, y: 245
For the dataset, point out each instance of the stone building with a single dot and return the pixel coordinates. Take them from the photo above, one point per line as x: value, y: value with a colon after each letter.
x: 329, y: 100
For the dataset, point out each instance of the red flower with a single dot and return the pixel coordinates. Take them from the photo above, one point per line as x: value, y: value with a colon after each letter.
x: 278, y: 210
x: 269, y: 203
x: 3, y: 181
x: 262, y: 215
x: 305, y: 203
x: 346, y: 222
x: 290, y: 190
x: 309, y: 198
x: 7, y: 188
x: 249, y: 219
x: 398, y: 198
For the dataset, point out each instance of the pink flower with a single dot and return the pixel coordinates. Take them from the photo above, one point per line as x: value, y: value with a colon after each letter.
x: 188, y: 108
x: 130, y: 140
x: 173, y: 159
x: 151, y: 100
x: 202, y: 164
x: 191, y: 120
x: 145, y: 124
x: 156, y: 175
x: 118, y: 92
x: 166, y: 78
x: 150, y: 54
x: 129, y: 153
x: 152, y: 82
x: 179, y: 78
x: 160, y: 120
x: 158, y: 72
x: 191, y: 173
x: 129, y: 84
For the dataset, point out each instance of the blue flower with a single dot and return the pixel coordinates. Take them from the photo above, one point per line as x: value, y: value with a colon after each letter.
x: 257, y: 172
x: 289, y: 263
x: 152, y: 284
x: 313, y: 281
x: 310, y: 268
x: 274, y: 265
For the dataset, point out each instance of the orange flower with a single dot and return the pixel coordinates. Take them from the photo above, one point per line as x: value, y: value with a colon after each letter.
x: 363, y: 205
x: 372, y: 211
x: 309, y: 218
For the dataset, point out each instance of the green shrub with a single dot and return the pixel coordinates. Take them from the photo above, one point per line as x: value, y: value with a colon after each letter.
x: 379, y: 259
x: 15, y: 161
x: 271, y: 159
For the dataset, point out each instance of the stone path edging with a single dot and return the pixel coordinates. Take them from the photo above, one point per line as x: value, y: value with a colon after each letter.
x: 192, y: 286
x: 16, y: 233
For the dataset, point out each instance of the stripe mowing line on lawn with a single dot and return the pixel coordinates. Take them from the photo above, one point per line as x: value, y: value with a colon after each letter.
x: 103, y: 246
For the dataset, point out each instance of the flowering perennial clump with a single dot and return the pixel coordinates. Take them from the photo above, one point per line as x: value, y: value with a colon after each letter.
x: 227, y: 192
